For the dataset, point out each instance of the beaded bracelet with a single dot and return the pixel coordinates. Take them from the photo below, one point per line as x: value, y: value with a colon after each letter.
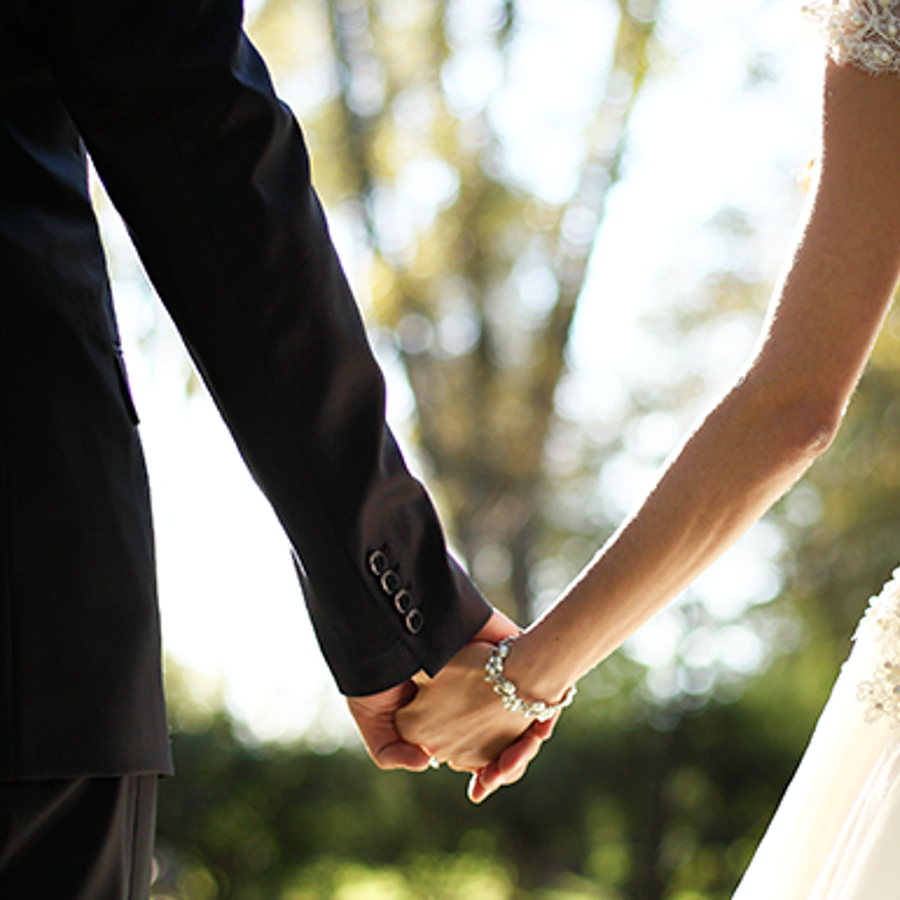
x: 509, y: 693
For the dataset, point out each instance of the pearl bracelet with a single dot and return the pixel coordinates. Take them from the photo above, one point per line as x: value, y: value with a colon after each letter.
x: 509, y: 693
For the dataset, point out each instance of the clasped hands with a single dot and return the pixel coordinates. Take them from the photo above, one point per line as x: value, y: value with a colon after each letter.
x: 454, y: 717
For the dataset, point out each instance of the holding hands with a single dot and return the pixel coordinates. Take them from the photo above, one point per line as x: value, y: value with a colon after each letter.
x: 460, y: 719
x: 455, y: 717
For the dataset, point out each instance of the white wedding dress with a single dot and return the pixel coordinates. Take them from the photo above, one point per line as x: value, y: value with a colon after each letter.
x: 836, y: 834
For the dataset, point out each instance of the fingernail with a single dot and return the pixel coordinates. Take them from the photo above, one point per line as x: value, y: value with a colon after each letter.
x: 473, y: 784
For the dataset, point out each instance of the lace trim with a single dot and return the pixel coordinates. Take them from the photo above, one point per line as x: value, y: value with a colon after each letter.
x: 880, y: 692
x: 863, y: 32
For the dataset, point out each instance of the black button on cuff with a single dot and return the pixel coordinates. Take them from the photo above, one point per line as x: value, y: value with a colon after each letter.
x: 378, y: 563
x: 390, y: 582
x: 415, y: 621
x: 403, y: 601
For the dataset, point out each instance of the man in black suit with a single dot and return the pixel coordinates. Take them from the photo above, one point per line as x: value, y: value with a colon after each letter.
x: 209, y: 172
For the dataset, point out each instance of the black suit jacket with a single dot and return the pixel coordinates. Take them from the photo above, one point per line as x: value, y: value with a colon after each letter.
x: 209, y: 172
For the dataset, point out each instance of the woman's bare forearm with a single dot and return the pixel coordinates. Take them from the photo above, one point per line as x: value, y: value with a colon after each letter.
x: 781, y: 413
x: 703, y: 502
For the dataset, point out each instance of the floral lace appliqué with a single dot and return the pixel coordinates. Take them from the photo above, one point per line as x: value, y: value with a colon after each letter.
x: 880, y: 691
x: 865, y: 33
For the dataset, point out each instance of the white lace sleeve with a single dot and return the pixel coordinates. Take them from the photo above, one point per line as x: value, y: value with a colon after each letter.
x: 865, y: 33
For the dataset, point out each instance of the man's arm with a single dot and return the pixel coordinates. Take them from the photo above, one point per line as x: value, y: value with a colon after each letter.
x: 210, y: 173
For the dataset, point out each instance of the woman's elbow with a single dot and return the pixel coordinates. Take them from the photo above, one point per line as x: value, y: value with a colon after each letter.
x: 807, y: 428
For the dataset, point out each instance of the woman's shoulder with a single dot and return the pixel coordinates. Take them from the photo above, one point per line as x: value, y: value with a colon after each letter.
x: 864, y: 33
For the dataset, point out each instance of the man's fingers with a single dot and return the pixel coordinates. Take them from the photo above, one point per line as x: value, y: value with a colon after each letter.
x: 508, y: 768
x: 458, y: 767
x: 512, y: 763
x: 476, y: 791
x: 400, y: 755
x: 490, y: 779
x: 520, y: 754
x: 374, y: 716
x: 544, y: 730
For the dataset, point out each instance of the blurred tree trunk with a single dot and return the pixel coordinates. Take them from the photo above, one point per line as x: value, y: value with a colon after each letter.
x: 483, y: 363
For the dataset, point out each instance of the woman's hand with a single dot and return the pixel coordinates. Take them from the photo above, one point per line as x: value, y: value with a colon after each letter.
x: 456, y: 715
x: 460, y: 720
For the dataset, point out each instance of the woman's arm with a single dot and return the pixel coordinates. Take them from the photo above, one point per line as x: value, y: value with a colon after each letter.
x: 777, y: 418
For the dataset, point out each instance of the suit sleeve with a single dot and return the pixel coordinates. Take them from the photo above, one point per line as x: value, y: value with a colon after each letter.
x: 210, y: 173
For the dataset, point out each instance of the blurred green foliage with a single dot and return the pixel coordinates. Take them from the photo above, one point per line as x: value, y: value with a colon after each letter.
x: 629, y: 800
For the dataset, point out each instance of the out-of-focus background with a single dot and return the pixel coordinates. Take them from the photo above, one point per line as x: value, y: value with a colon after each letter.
x: 563, y: 219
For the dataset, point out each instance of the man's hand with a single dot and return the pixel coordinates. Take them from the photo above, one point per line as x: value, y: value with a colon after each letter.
x: 374, y: 716
x: 512, y: 763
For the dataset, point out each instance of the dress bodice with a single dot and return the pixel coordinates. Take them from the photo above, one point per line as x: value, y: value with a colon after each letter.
x: 879, y: 690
